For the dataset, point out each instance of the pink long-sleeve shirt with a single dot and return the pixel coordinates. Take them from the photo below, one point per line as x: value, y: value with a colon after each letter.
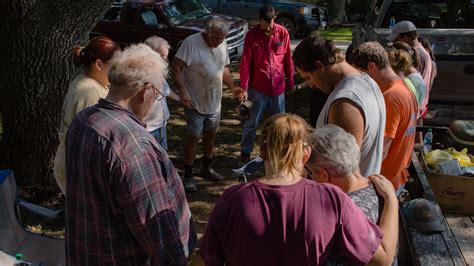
x: 266, y: 60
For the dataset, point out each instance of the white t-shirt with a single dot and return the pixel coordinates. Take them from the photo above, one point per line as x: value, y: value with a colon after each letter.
x: 202, y: 73
x: 159, y: 113
x: 364, y: 92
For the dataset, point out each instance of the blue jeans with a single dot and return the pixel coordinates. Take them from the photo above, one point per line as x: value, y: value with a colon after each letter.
x: 160, y: 136
x: 261, y: 104
x: 400, y: 190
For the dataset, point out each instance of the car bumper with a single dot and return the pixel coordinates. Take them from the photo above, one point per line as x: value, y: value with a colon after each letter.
x: 236, y: 52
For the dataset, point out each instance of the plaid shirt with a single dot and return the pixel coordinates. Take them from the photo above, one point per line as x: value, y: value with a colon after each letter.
x: 125, y: 202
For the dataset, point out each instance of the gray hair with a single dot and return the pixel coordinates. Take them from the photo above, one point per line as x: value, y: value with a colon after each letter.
x: 156, y: 43
x: 135, y: 66
x: 334, y: 150
x: 217, y: 25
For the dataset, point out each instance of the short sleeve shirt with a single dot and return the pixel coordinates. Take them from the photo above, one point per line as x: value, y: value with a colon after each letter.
x: 159, y: 113
x: 401, y: 107
x: 366, y: 94
x: 203, y: 71
x: 299, y: 224
x: 425, y: 67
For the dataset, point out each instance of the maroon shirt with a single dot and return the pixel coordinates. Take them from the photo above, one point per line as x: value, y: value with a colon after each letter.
x: 266, y: 60
x: 299, y: 224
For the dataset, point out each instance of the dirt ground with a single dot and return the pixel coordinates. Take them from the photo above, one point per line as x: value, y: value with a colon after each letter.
x: 227, y: 153
x: 226, y: 157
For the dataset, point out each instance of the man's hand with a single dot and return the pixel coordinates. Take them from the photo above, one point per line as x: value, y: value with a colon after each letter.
x: 290, y: 91
x: 384, y: 187
x: 185, y: 98
x: 239, y: 93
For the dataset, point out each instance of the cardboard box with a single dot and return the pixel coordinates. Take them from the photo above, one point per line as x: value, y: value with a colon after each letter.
x: 455, y: 194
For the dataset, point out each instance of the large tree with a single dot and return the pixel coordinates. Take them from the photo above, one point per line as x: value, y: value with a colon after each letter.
x: 337, y: 11
x: 37, y: 37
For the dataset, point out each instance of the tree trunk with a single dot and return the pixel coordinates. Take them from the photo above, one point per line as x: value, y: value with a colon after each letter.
x: 36, y: 66
x: 337, y: 11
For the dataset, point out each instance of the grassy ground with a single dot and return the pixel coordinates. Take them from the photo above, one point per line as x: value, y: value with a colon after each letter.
x: 336, y: 33
x: 226, y: 158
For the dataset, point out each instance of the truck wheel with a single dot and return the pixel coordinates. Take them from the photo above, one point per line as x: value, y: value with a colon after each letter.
x: 288, y: 24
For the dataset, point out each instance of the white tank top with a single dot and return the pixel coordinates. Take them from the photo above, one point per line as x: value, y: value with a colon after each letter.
x: 364, y: 92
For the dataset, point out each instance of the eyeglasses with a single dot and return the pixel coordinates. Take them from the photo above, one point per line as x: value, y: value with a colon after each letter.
x: 158, y: 95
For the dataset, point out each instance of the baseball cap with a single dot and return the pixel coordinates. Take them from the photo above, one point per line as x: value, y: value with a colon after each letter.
x: 401, y: 27
x: 422, y: 215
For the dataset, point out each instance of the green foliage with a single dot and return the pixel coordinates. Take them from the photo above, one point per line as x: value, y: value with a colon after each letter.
x: 339, y: 33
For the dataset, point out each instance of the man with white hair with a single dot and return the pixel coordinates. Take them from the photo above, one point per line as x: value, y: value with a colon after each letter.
x: 335, y: 158
x: 157, y: 118
x: 198, y: 69
x: 125, y: 202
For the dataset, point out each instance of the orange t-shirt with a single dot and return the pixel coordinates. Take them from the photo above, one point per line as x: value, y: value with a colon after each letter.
x: 401, y: 107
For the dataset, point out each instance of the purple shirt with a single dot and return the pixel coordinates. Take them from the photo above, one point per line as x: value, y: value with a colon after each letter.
x: 299, y: 224
x: 125, y: 202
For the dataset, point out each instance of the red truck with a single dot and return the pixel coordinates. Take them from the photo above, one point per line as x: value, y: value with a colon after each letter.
x: 134, y: 21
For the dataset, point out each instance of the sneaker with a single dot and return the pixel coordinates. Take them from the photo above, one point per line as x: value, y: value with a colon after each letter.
x: 209, y: 174
x: 189, y: 185
x: 244, y: 157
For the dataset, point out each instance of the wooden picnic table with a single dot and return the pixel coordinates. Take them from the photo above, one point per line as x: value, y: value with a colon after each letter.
x: 455, y: 246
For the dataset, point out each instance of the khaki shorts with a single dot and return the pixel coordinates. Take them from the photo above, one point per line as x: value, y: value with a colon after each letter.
x: 197, y: 122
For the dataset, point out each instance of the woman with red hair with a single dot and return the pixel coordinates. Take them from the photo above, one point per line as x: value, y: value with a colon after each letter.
x: 84, y: 91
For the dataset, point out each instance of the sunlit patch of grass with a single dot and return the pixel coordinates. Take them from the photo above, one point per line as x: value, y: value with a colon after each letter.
x: 338, y: 33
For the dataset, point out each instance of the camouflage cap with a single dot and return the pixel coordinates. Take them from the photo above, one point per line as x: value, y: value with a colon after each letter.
x: 422, y: 215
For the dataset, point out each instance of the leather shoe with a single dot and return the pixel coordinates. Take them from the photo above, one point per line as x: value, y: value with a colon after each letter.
x: 209, y: 174
x: 189, y: 185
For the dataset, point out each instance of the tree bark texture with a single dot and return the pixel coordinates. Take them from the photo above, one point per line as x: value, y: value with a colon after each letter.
x: 337, y: 11
x: 37, y: 38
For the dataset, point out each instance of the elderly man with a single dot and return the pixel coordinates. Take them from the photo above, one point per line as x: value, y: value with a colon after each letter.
x: 401, y: 107
x: 266, y: 60
x: 335, y: 159
x: 198, y: 69
x: 125, y: 202
x: 157, y: 118
x: 355, y: 102
x: 405, y: 31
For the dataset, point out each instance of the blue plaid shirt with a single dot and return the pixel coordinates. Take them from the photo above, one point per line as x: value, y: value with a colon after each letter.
x: 125, y: 202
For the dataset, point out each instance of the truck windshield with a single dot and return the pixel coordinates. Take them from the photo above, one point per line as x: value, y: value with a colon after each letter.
x: 183, y: 11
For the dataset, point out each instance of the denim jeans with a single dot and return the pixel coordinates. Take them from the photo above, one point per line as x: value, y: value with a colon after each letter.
x: 160, y: 136
x: 261, y: 104
x: 400, y: 190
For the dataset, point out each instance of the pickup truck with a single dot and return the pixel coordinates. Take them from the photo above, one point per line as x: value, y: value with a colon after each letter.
x: 448, y: 25
x: 298, y: 18
x: 134, y: 21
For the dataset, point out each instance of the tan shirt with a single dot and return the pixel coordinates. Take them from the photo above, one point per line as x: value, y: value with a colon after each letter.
x: 83, y: 92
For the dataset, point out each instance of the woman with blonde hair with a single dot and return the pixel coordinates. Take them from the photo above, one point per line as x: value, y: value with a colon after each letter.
x: 283, y: 218
x: 85, y: 90
x: 404, y: 60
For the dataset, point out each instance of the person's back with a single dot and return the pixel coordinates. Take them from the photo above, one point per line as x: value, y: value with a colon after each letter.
x: 125, y: 203
x: 299, y: 224
x: 425, y: 66
x: 401, y: 127
x: 97, y: 189
x: 365, y: 93
x: 368, y: 202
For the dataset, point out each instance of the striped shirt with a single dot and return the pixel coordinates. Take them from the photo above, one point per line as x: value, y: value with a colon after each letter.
x: 125, y: 202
